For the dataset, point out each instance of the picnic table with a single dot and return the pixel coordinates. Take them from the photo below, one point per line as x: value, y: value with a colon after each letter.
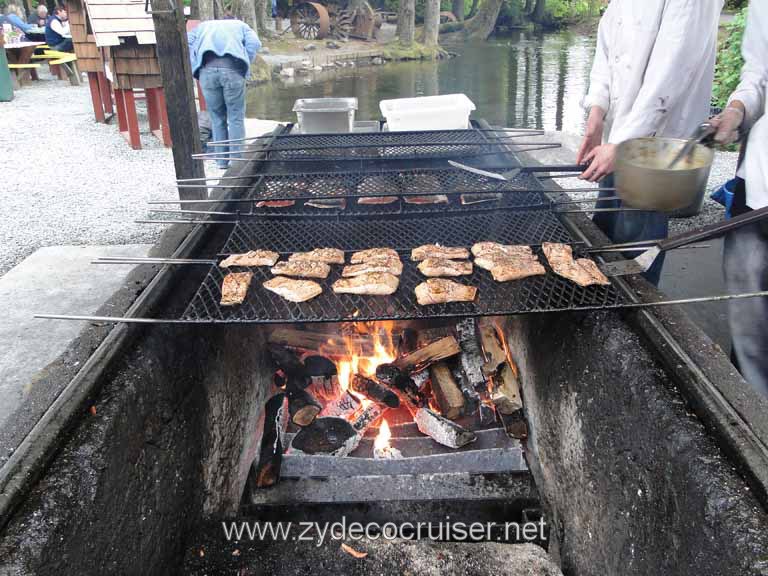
x: 20, y: 54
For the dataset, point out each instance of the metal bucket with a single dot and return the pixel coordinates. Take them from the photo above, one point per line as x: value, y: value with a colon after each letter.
x: 644, y: 181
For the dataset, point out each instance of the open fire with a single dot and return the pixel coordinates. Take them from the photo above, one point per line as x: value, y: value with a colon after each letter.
x: 343, y: 383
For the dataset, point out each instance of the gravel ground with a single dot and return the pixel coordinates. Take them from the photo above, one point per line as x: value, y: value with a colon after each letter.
x: 70, y: 180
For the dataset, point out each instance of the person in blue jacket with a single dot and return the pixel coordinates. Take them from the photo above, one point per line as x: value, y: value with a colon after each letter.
x: 57, y: 34
x: 13, y: 18
x: 221, y: 52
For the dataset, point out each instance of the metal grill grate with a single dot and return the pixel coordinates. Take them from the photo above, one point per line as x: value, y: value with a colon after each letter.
x: 549, y: 293
x: 382, y: 183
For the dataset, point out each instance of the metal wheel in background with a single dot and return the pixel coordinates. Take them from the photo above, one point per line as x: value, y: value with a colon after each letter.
x: 310, y: 20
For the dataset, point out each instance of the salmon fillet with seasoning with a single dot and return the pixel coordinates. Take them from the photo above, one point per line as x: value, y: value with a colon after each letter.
x: 441, y: 291
x: 377, y: 200
x: 275, y: 203
x: 327, y: 255
x: 583, y: 271
x: 365, y: 255
x: 490, y: 261
x: 437, y: 251
x: 436, y: 199
x: 235, y: 287
x: 293, y: 290
x: 372, y: 284
x: 302, y: 269
x: 508, y: 269
x: 391, y: 265
x: 328, y: 204
x: 485, y: 248
x: 252, y: 258
x: 444, y: 267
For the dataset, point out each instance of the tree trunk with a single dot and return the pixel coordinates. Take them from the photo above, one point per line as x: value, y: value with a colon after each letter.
x: 263, y: 11
x: 457, y: 7
x: 473, y: 9
x: 528, y: 7
x: 245, y: 10
x: 205, y: 9
x: 481, y: 25
x: 431, y: 22
x: 406, y: 22
x: 538, y: 11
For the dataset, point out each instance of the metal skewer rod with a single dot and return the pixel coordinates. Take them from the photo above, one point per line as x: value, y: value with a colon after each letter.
x: 642, y: 248
x: 633, y: 305
x: 184, y: 221
x: 130, y: 260
x: 249, y: 176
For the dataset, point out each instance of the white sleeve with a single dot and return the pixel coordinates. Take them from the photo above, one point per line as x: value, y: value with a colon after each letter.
x: 687, y: 29
x: 600, y: 78
x: 754, y: 75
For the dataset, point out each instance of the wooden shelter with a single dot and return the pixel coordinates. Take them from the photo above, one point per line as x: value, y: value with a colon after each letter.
x: 121, y: 35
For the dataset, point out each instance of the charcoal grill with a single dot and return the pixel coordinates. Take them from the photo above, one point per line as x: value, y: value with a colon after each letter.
x: 510, y: 220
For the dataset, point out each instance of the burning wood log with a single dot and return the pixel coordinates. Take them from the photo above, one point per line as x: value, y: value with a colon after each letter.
x: 471, y: 357
x: 302, y: 406
x: 266, y: 472
x: 329, y: 345
x: 515, y: 425
x: 367, y: 417
x: 319, y: 366
x: 448, y: 396
x: 487, y: 414
x: 442, y: 430
x: 287, y: 360
x: 505, y: 394
x: 420, y: 379
x: 374, y: 391
x: 342, y: 407
x: 331, y: 436
x: 471, y: 397
x: 404, y: 386
x: 426, y: 355
x: 492, y: 346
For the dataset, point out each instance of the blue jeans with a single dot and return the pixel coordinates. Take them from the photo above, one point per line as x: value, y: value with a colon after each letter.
x: 64, y: 46
x: 224, y: 92
x: 624, y: 227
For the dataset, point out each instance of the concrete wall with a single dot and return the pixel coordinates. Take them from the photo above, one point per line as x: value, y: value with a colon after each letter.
x: 633, y: 483
x: 169, y: 443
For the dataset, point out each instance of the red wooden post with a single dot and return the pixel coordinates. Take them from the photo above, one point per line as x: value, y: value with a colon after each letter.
x: 122, y: 121
x: 98, y: 107
x: 164, y: 118
x: 133, y: 122
x: 152, y: 111
x: 106, y: 93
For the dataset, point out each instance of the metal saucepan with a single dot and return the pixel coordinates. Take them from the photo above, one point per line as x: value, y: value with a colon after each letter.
x: 644, y: 179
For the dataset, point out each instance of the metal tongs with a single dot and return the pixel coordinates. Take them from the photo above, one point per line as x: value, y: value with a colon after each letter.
x: 643, y: 263
x: 704, y: 134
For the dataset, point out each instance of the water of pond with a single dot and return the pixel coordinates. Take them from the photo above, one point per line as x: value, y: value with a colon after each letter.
x: 523, y: 79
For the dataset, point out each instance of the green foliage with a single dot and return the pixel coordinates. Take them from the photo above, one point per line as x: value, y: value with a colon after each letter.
x: 564, y: 12
x: 729, y: 60
x: 736, y: 4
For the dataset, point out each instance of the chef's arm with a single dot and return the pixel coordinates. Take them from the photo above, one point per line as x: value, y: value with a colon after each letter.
x: 750, y: 94
x: 599, y: 95
x: 687, y: 29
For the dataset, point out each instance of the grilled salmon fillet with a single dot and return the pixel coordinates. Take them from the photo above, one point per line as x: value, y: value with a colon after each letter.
x: 327, y: 255
x: 372, y: 284
x: 252, y: 258
x: 377, y: 200
x: 384, y: 264
x: 293, y: 290
x: 444, y: 267
x: 302, y: 269
x: 437, y: 251
x: 328, y: 203
x: 435, y: 199
x: 485, y: 248
x: 508, y: 269
x: 583, y: 271
x: 275, y: 203
x: 440, y: 291
x: 235, y: 287
x: 365, y: 255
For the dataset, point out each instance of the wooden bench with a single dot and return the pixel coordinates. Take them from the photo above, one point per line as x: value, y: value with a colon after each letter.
x: 67, y: 60
x: 18, y: 72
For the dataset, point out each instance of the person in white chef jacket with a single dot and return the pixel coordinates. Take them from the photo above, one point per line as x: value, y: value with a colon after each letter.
x: 652, y: 76
x: 746, y: 249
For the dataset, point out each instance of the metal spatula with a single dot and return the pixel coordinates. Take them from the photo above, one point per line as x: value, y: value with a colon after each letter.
x: 642, y: 263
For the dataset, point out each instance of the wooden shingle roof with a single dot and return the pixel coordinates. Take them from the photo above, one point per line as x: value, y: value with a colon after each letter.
x: 115, y: 19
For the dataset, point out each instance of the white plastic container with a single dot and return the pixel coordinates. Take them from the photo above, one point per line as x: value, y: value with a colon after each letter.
x: 446, y: 112
x: 325, y: 115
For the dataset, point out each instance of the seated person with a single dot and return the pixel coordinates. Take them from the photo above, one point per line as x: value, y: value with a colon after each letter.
x: 39, y: 17
x: 57, y: 34
x: 15, y: 17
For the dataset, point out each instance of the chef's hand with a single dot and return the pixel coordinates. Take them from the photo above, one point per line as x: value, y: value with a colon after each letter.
x: 593, y: 135
x: 728, y: 123
x: 601, y: 163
